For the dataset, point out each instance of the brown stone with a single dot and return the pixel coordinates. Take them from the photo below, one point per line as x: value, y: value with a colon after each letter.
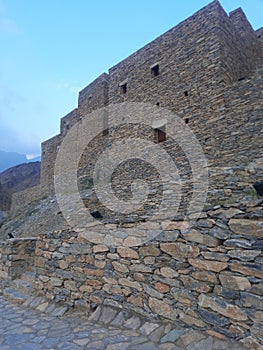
x: 175, y: 225
x: 120, y: 267
x: 100, y: 248
x: 138, y: 301
x: 162, y: 308
x: 125, y: 252
x: 150, y: 250
x: 198, y: 237
x: 100, y: 264
x: 223, y: 308
x: 206, y: 276
x: 228, y: 280
x: 208, y: 265
x: 63, y: 264
x: 168, y: 272
x: 215, y: 256
x: 95, y: 272
x: 248, y: 269
x: 162, y: 288
x: 247, y: 227
x: 189, y: 319
x: 70, y: 285
x: 141, y: 268
x: 85, y: 288
x: 180, y: 250
x: 149, y: 260
x: 129, y: 283
x: 93, y: 282
x: 182, y: 296
x: 215, y: 334
x: 197, y: 286
x: 56, y: 282
x: 244, y: 255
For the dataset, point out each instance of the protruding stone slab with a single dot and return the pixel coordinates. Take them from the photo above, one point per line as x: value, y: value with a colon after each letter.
x: 228, y: 280
x: 208, y: 265
x: 246, y: 227
x: 223, y: 308
x: 180, y: 250
x: 198, y: 237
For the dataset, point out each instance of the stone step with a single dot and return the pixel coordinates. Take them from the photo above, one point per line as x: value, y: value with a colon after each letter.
x: 14, y: 295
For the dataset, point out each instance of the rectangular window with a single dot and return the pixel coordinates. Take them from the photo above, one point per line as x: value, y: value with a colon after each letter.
x: 155, y: 70
x: 159, y: 135
x: 123, y: 88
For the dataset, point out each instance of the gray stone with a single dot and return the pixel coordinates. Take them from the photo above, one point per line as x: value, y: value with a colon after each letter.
x: 172, y: 336
x: 107, y: 315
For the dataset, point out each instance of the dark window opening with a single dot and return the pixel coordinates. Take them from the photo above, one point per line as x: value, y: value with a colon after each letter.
x: 186, y: 93
x: 186, y: 120
x: 96, y: 215
x: 242, y: 78
x: 155, y: 70
x: 124, y: 88
x: 159, y: 135
x: 258, y: 186
x: 105, y: 132
x: 158, y: 104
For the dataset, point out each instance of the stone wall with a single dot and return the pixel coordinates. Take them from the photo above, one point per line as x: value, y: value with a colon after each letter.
x: 200, y: 63
x: 16, y: 257
x: 27, y: 196
x: 208, y: 276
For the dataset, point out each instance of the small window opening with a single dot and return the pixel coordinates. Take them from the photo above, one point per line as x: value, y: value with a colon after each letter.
x: 186, y: 120
x: 96, y: 214
x: 159, y: 135
x: 124, y: 88
x: 186, y: 93
x: 158, y: 104
x: 105, y: 132
x: 242, y: 78
x: 155, y: 70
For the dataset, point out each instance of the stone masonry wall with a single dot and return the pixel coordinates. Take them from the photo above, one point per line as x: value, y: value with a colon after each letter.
x: 16, y: 256
x: 27, y: 196
x: 200, y: 62
x: 208, y: 276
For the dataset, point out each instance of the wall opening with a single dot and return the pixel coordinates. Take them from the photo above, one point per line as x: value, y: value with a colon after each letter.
x: 158, y: 104
x: 186, y: 93
x: 123, y: 88
x: 186, y: 120
x: 159, y: 134
x: 155, y: 70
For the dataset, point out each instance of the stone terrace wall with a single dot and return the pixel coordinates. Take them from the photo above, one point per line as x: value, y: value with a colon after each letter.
x: 16, y: 256
x: 27, y: 196
x: 207, y: 276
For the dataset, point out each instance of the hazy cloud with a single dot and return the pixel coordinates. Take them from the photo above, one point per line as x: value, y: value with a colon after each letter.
x: 8, y: 25
x: 71, y: 86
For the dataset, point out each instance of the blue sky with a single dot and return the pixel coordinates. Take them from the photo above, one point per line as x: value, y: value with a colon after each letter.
x: 51, y: 49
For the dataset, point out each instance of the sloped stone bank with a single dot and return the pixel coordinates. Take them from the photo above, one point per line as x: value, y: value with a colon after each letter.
x: 209, y: 276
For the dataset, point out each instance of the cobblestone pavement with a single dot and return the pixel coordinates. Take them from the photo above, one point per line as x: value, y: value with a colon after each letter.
x: 27, y: 329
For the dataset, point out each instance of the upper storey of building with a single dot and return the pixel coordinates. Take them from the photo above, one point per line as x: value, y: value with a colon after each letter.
x: 201, y: 56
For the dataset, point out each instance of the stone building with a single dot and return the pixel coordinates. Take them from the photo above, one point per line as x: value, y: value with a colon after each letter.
x: 208, y: 71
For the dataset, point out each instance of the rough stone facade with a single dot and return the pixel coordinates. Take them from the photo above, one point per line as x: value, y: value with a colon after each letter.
x: 16, y: 256
x: 207, y: 70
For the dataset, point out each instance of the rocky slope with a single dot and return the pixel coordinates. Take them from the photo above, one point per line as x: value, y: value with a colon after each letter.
x: 17, y: 179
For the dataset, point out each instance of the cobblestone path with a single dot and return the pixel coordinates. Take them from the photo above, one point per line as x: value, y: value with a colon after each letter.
x: 27, y: 329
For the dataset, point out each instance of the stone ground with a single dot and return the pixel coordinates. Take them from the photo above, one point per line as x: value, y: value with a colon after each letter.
x: 25, y: 328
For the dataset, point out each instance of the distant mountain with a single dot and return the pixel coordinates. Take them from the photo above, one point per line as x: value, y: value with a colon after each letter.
x: 10, y: 159
x: 16, y: 179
